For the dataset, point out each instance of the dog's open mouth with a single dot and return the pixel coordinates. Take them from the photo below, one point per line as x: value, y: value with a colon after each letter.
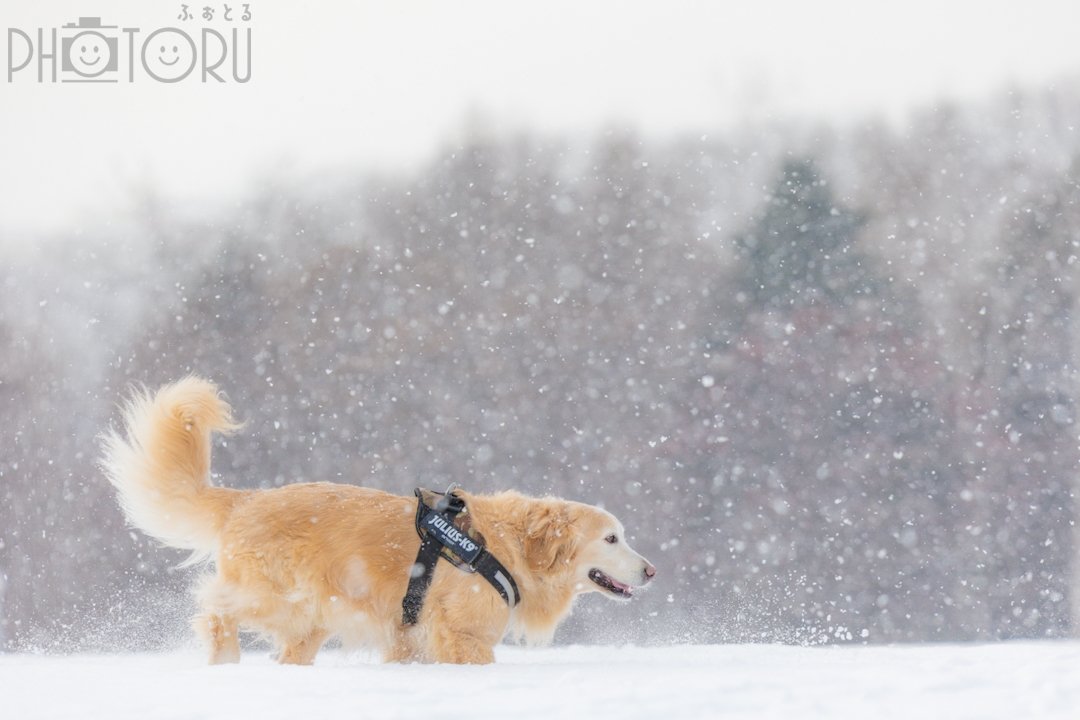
x: 610, y: 584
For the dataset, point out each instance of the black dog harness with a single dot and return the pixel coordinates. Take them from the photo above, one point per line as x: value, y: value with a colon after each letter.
x: 445, y: 530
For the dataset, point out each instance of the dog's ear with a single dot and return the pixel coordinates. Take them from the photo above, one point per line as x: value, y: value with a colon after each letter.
x: 551, y: 538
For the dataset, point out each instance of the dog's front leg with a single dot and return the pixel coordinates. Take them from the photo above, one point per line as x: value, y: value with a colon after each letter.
x: 461, y: 648
x: 302, y: 651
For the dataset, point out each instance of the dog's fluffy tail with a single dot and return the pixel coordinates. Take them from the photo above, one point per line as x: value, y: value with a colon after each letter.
x: 160, y: 466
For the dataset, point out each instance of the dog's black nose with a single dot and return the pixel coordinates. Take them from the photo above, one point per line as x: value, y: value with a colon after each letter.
x: 650, y: 572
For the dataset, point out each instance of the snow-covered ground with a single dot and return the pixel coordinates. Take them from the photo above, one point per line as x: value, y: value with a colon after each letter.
x: 1007, y: 680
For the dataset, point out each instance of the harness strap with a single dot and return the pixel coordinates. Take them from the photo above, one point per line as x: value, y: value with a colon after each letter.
x: 420, y: 575
x: 440, y: 537
x: 499, y: 577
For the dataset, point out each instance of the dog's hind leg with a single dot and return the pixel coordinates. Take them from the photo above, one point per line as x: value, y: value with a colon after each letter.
x: 220, y: 633
x: 303, y: 651
x: 217, y: 625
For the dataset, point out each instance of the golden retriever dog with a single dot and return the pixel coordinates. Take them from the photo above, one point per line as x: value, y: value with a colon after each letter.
x: 305, y: 562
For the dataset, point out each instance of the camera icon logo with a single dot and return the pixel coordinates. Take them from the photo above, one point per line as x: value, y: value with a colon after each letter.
x: 89, y: 52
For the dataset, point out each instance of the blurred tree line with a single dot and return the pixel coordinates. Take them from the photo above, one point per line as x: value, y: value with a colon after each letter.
x: 824, y: 375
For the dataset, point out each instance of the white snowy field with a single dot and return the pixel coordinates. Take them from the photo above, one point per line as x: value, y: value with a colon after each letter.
x: 1007, y: 680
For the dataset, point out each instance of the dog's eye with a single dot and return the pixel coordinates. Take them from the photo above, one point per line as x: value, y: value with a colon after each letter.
x: 611, y: 539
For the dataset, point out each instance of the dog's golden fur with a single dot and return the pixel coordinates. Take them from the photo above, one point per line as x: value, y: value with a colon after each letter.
x: 306, y: 562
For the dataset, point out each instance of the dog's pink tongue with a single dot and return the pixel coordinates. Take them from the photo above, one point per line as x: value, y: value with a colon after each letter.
x: 624, y: 588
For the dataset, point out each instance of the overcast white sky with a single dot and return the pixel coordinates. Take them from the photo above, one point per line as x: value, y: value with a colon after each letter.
x: 382, y: 84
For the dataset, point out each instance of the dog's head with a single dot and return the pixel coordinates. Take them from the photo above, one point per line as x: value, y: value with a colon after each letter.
x: 587, y: 543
